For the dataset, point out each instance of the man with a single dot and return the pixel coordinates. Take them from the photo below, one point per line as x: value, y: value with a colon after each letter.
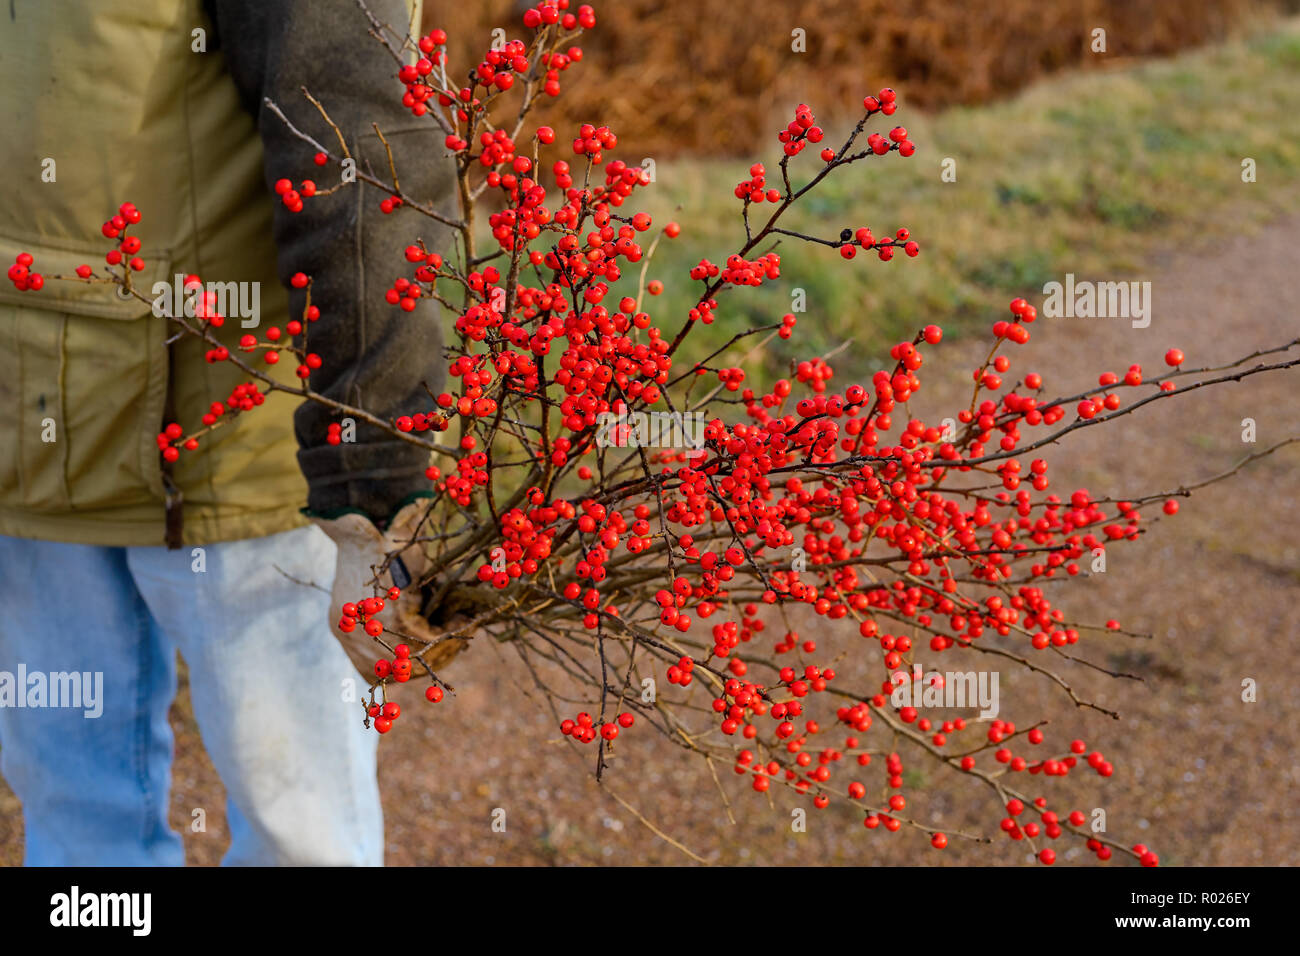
x: 112, y: 560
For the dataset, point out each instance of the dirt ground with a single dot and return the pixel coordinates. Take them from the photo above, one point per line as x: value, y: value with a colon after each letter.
x: 1201, y: 776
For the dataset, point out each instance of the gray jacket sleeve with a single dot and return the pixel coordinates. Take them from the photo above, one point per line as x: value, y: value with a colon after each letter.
x: 374, y: 356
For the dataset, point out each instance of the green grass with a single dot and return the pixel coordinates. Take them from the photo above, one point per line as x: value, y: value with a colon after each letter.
x: 1091, y: 173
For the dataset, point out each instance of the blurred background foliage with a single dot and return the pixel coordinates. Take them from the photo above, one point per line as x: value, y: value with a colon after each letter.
x: 706, y: 76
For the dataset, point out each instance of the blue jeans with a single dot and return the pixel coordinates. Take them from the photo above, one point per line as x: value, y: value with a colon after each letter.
x: 275, y: 697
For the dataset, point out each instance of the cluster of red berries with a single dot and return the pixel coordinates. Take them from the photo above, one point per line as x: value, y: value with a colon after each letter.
x: 418, y: 90
x: 170, y: 434
x: 800, y: 131
x: 292, y: 198
x: 421, y: 422
x: 397, y: 668
x: 498, y: 149
x: 583, y: 729
x: 243, y: 397
x: 22, y: 276
x: 1049, y: 826
x: 363, y: 612
x: 753, y: 190
x: 555, y: 11
x: 204, y: 304
x: 469, y: 478
x: 886, y: 102
x: 427, y: 267
x: 384, y: 714
x: 814, y: 373
x: 497, y: 70
x: 404, y: 294
x: 525, y: 545
x: 620, y: 180
x: 127, y: 246
x: 850, y: 241
x: 896, y: 140
x: 591, y: 142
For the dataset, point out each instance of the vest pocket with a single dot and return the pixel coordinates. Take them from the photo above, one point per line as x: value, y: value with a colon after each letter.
x: 34, y: 430
x: 83, y: 379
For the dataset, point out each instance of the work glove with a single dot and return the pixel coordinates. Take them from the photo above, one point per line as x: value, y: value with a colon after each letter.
x: 362, y: 552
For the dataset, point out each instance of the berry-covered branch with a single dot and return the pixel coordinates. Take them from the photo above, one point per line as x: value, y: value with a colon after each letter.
x: 752, y: 566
